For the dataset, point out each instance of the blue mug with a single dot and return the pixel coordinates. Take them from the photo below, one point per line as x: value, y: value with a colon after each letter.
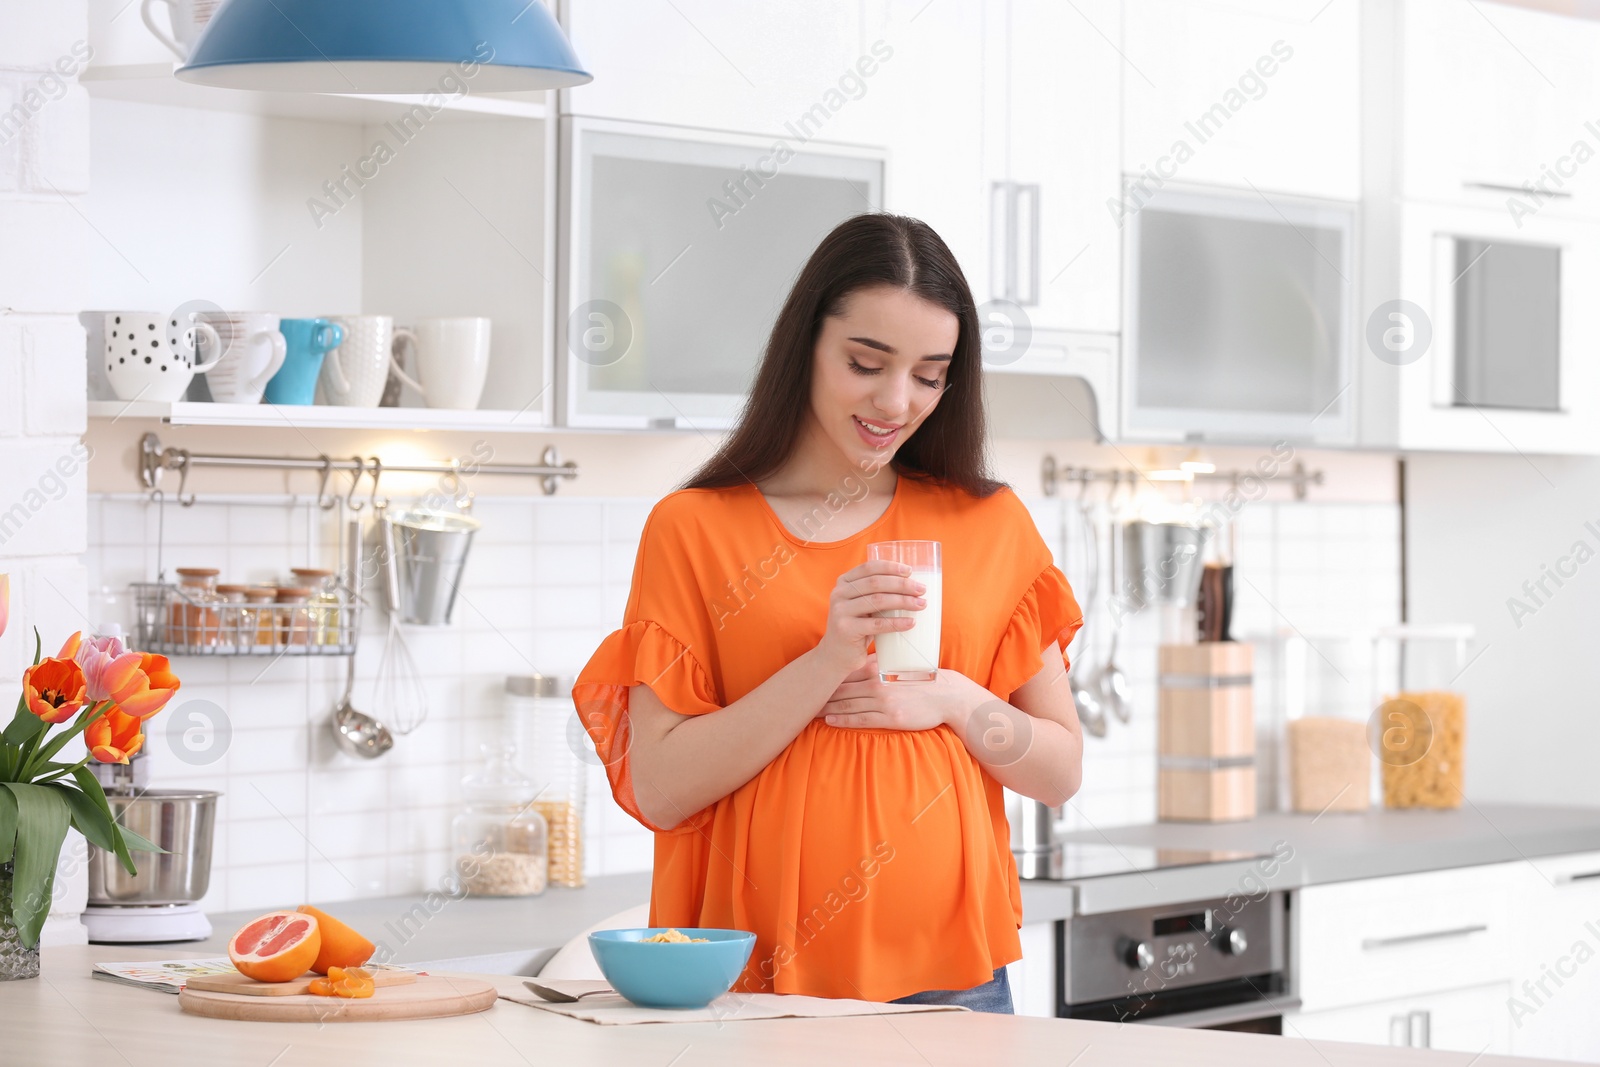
x: 306, y: 341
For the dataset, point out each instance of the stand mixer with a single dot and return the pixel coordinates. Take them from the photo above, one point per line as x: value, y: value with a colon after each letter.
x: 161, y: 902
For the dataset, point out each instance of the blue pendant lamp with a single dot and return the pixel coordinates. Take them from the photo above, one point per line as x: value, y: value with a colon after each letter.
x: 383, y: 46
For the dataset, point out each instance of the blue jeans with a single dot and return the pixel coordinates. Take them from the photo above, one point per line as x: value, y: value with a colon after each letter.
x: 992, y: 996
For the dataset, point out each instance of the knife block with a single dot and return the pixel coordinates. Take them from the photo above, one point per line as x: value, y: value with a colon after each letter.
x: 1206, y: 736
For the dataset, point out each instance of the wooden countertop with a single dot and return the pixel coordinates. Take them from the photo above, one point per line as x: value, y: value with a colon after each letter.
x: 65, y: 1018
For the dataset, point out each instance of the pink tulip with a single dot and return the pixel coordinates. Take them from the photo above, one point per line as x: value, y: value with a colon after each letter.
x: 5, y: 602
x: 107, y: 667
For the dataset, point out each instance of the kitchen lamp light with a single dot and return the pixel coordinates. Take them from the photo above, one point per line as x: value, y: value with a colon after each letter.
x: 383, y: 46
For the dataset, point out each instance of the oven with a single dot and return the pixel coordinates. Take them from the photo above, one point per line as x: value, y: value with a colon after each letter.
x: 1210, y: 964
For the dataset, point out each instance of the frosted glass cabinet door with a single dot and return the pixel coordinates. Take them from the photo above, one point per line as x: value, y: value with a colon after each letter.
x: 1239, y: 316
x: 681, y: 247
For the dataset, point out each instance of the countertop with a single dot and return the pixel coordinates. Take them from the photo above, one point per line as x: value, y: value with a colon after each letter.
x: 1334, y: 847
x: 517, y: 935
x: 67, y: 1019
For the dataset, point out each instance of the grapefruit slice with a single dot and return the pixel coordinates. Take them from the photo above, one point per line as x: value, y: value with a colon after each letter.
x: 276, y: 947
x: 341, y: 945
x: 352, y: 982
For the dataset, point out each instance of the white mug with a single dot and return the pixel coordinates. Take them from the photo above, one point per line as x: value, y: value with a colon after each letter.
x: 150, y: 356
x: 451, y: 357
x: 187, y: 18
x: 354, y: 374
x: 252, y: 352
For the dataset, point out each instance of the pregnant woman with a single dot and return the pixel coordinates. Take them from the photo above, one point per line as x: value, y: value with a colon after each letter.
x: 858, y: 827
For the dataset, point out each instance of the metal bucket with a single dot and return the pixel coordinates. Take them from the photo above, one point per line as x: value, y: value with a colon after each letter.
x: 1162, y: 563
x: 180, y: 821
x: 431, y: 553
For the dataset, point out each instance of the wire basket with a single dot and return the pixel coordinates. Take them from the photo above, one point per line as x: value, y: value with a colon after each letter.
x: 173, y: 621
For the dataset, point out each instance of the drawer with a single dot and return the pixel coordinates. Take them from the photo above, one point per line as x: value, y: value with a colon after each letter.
x: 1359, y: 942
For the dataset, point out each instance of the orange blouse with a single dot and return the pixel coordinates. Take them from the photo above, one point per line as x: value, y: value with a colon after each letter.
x: 870, y: 863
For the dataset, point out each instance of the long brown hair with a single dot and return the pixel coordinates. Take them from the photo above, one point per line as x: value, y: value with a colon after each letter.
x: 860, y: 253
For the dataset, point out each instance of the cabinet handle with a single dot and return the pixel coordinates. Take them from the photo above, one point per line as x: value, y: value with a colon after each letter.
x: 1002, y: 245
x: 1419, y: 1029
x: 1584, y: 877
x: 1496, y: 187
x: 1026, y: 244
x: 1371, y: 943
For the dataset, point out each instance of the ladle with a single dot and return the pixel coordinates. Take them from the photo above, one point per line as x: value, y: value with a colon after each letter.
x: 355, y: 732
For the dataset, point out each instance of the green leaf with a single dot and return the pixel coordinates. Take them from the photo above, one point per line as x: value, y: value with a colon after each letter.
x: 91, y: 788
x: 138, y: 842
x: 87, y: 817
x: 42, y: 820
x: 24, y: 726
x: 8, y: 824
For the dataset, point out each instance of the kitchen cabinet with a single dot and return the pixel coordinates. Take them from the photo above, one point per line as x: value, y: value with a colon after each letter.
x: 1469, y: 1020
x: 1051, y: 119
x: 1556, y: 984
x: 1386, y: 938
x: 1509, y: 365
x: 1252, y: 94
x: 1033, y: 978
x: 1496, y: 98
x: 710, y: 64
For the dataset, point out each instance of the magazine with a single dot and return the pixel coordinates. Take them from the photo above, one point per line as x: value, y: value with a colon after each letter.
x: 170, y: 976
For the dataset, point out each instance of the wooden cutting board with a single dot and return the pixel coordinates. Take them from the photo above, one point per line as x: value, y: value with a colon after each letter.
x: 249, y: 987
x: 429, y: 997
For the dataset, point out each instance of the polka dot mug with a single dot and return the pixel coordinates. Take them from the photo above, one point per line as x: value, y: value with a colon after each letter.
x: 149, y: 356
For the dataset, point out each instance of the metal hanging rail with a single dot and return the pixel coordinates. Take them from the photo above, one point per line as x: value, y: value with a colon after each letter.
x: 154, y: 459
x: 1052, y: 474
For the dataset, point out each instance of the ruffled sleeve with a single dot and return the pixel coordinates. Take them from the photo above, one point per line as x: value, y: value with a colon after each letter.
x: 663, y: 625
x: 1046, y: 618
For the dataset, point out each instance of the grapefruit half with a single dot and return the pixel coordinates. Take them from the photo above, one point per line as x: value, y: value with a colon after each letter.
x: 276, y: 947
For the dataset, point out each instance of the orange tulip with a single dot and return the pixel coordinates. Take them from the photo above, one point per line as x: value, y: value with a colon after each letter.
x: 5, y: 602
x: 114, y: 736
x: 54, y: 689
x: 142, y: 687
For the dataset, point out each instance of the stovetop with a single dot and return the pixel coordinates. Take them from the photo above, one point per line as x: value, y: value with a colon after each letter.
x: 1074, y: 861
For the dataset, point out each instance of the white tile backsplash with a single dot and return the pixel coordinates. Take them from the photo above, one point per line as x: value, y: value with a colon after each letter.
x: 548, y: 579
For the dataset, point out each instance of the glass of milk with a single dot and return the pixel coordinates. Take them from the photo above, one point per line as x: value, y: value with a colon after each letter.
x: 912, y: 655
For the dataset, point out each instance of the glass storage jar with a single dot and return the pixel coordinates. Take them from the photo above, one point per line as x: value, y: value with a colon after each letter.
x: 260, y: 622
x: 500, y: 840
x: 193, y: 618
x: 1418, y: 729
x: 540, y: 716
x: 230, y: 617
x: 323, y: 604
x: 294, y: 615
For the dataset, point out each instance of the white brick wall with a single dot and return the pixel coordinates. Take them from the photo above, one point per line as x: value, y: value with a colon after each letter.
x: 44, y: 166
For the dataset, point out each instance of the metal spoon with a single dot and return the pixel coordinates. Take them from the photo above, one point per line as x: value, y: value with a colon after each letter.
x: 1110, y: 684
x: 556, y: 996
x: 356, y: 732
x: 1090, y: 711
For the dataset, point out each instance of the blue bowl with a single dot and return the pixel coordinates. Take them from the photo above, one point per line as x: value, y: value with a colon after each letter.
x: 667, y: 975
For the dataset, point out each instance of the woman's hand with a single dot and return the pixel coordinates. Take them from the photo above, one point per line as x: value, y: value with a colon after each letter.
x: 876, y: 585
x: 863, y: 702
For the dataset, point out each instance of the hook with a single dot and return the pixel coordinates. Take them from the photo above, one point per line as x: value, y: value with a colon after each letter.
x: 325, y: 501
x: 350, y: 497
x: 377, y: 472
x: 183, y: 479
x: 455, y: 481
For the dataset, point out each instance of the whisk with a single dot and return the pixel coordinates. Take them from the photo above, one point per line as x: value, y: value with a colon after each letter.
x: 401, y: 697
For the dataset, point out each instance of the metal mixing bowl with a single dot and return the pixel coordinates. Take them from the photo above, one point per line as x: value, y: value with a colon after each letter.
x: 180, y: 821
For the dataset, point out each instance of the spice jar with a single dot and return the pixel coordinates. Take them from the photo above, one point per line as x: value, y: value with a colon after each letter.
x: 500, y: 840
x: 192, y: 618
x: 294, y: 616
x: 230, y: 617
x: 1419, y: 728
x: 260, y: 622
x: 539, y: 713
x: 323, y: 605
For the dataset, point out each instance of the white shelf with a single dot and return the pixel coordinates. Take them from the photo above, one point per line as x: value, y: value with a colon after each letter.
x: 153, y: 83
x: 318, y: 416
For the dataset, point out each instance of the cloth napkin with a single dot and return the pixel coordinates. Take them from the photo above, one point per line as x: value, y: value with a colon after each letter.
x: 612, y: 1009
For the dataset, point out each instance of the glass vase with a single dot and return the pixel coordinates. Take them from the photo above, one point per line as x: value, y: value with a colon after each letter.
x: 16, y: 959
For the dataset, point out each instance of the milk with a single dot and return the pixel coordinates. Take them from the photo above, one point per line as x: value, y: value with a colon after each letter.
x: 913, y: 655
